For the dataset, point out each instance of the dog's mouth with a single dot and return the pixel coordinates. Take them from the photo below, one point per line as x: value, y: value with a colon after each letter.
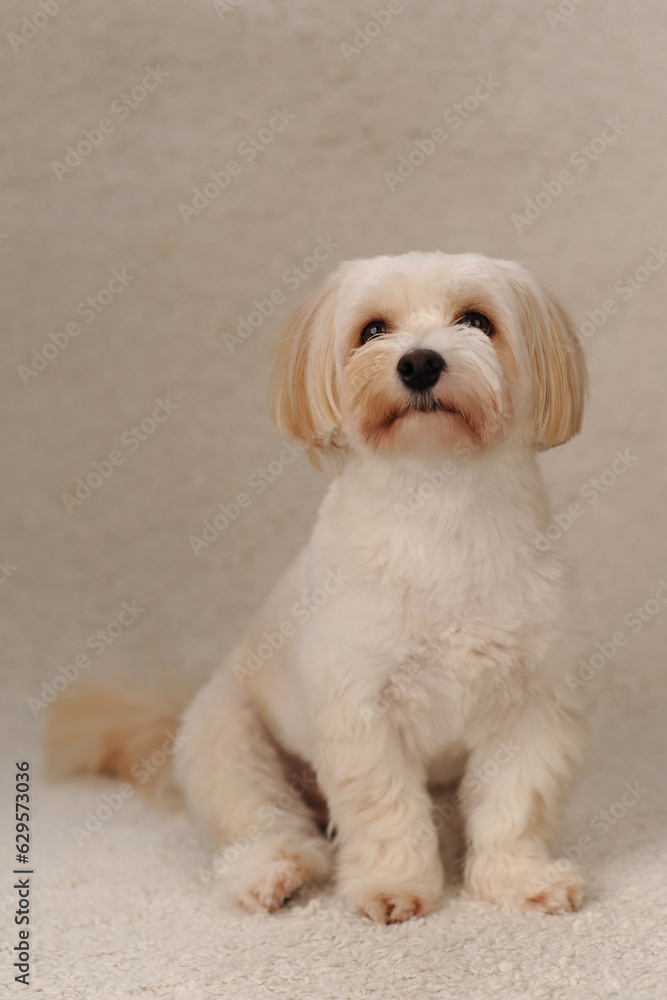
x: 422, y: 402
x: 425, y: 402
x: 424, y: 405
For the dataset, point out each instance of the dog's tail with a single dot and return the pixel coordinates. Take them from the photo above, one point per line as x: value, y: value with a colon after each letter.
x: 124, y: 730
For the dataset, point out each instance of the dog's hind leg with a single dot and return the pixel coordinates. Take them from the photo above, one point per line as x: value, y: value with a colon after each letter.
x: 235, y: 784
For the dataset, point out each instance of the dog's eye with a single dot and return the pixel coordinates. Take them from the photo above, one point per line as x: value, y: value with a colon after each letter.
x: 479, y: 321
x: 373, y: 329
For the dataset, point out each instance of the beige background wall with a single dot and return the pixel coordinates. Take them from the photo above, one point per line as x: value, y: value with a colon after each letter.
x: 322, y: 177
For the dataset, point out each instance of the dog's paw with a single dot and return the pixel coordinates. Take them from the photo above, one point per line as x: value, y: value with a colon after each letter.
x: 272, y: 885
x: 391, y: 907
x: 391, y: 900
x: 411, y: 887
x: 265, y: 878
x: 561, y: 894
x: 549, y: 887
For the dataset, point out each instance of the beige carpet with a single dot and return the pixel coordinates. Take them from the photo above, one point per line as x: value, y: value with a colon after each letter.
x: 144, y: 301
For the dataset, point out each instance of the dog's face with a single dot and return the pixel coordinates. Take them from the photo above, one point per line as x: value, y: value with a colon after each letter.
x: 420, y: 353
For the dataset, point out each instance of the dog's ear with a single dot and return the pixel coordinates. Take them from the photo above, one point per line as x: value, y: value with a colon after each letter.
x: 556, y: 361
x: 303, y: 390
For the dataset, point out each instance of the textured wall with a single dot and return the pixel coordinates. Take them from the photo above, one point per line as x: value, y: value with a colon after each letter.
x: 160, y: 329
x: 218, y: 74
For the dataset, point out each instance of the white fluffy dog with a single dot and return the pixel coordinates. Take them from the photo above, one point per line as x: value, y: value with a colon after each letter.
x: 421, y: 637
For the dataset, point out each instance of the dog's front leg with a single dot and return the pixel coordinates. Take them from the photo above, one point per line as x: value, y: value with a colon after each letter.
x: 512, y: 794
x: 380, y: 804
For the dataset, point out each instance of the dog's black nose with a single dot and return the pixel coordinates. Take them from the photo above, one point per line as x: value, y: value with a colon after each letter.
x: 420, y: 369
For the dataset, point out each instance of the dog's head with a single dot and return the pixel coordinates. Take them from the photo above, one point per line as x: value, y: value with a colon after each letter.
x: 420, y: 353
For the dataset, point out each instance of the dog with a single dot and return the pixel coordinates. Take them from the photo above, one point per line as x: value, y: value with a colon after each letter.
x: 437, y: 636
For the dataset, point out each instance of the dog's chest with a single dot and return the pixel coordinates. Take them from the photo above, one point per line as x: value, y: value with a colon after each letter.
x: 454, y: 613
x: 448, y: 611
x: 438, y: 669
x: 441, y: 574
